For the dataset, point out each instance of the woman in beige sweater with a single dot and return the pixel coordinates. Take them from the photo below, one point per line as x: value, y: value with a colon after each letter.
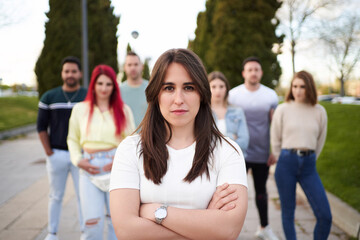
x: 298, y: 133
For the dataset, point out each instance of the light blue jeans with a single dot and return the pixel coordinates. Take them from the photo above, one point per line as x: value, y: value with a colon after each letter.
x: 93, y: 200
x: 58, y: 168
x: 291, y: 169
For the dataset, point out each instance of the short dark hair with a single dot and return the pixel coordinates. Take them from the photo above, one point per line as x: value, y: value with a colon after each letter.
x: 250, y: 59
x: 131, y: 53
x: 71, y: 59
x: 134, y: 54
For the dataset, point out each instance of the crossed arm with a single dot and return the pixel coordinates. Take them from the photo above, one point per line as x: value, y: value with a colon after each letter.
x: 223, y: 219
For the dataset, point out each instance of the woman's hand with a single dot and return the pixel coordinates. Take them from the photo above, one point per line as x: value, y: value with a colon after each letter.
x: 147, y: 210
x: 108, y: 167
x: 271, y: 160
x: 85, y: 164
x: 223, y: 198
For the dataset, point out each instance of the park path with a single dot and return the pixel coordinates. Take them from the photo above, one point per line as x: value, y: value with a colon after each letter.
x: 24, y: 192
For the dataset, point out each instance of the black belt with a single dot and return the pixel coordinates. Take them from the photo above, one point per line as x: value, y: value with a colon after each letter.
x: 302, y: 153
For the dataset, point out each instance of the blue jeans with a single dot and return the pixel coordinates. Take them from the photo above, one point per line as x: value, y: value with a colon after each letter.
x: 93, y: 200
x: 58, y: 168
x: 291, y: 169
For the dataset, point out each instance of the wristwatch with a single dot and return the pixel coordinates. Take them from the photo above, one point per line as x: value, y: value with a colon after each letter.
x: 160, y: 214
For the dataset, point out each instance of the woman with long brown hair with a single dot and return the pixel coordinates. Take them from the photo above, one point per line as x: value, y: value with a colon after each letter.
x: 298, y: 132
x: 179, y: 178
x: 96, y: 128
x: 230, y: 120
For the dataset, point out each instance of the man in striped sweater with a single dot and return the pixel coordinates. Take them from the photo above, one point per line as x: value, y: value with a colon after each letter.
x: 52, y: 125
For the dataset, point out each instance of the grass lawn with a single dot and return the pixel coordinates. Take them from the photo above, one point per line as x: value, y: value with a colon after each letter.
x: 17, y: 111
x: 339, y: 162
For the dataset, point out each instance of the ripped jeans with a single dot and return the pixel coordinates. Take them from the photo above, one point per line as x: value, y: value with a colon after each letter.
x: 95, y: 202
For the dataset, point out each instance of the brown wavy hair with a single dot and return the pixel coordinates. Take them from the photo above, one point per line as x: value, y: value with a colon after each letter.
x: 310, y: 88
x: 153, y: 128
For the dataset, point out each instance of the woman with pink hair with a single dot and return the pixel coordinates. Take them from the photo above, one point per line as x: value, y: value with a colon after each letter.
x: 97, y: 126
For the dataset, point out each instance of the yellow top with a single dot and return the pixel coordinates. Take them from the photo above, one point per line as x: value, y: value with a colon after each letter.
x: 99, y: 135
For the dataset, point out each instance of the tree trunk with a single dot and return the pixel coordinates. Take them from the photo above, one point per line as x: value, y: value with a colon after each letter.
x: 293, y: 55
x: 342, y: 87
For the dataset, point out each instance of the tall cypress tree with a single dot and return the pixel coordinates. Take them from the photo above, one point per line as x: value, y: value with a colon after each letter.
x: 102, y: 24
x: 204, y: 33
x: 63, y: 33
x: 63, y: 38
x: 128, y: 49
x: 239, y: 29
x: 146, y: 69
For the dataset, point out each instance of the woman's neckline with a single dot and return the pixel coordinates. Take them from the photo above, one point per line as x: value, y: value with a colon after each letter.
x: 181, y: 149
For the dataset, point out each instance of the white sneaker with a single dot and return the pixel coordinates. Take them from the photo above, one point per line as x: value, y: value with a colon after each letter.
x: 266, y: 233
x: 51, y: 237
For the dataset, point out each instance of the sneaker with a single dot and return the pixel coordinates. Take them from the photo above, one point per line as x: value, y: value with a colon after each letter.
x: 51, y: 237
x: 266, y: 233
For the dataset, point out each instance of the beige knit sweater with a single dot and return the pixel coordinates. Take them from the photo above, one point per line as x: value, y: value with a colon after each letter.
x: 299, y: 126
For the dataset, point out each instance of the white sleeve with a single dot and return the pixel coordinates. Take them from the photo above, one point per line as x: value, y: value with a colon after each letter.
x: 231, y: 97
x: 276, y: 129
x: 322, y: 132
x: 125, y: 171
x: 232, y: 165
x: 275, y: 100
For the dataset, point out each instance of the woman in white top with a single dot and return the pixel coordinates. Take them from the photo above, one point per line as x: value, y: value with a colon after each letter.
x: 179, y: 178
x: 230, y: 120
x: 298, y: 132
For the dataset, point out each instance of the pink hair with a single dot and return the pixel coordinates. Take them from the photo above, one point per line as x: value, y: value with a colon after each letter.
x: 116, y: 104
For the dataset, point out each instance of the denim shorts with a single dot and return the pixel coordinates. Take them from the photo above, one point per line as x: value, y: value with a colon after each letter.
x: 100, y: 159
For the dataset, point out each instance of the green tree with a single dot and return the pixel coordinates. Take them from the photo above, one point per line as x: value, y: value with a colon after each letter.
x: 146, y: 70
x: 63, y: 38
x: 102, y: 25
x: 234, y: 30
x: 128, y: 49
x: 204, y: 33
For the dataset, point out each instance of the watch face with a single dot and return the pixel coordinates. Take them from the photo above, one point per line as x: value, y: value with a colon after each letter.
x: 161, y: 213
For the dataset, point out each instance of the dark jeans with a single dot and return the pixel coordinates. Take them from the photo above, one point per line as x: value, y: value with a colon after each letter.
x: 291, y: 169
x: 260, y: 172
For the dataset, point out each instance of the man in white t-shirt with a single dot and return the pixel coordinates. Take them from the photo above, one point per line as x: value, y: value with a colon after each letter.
x: 258, y: 103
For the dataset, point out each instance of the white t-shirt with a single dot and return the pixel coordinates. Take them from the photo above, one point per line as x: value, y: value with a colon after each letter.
x: 128, y: 172
x: 221, y: 125
x: 257, y: 106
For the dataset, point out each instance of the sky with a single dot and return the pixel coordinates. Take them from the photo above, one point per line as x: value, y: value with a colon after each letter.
x: 162, y: 24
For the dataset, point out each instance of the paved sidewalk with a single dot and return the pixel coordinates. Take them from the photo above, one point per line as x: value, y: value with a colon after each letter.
x: 304, y: 217
x: 24, y: 188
